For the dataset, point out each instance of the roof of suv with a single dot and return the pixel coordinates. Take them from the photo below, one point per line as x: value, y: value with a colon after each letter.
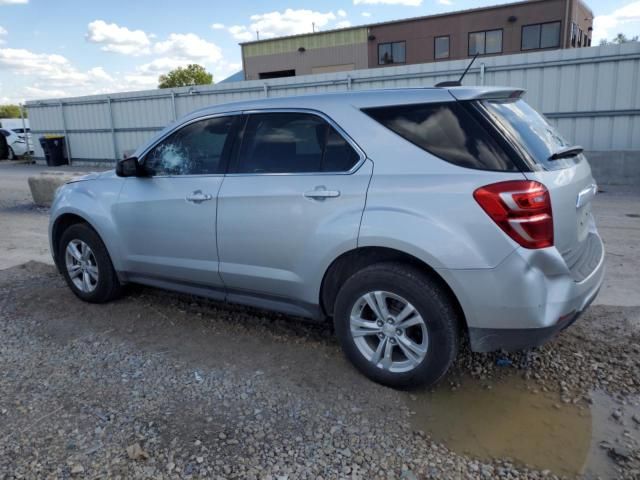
x: 365, y: 98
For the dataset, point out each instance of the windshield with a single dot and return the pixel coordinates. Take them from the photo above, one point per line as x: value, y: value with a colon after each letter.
x: 531, y: 130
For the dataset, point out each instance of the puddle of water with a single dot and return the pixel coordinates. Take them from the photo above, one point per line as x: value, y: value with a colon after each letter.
x: 508, y: 421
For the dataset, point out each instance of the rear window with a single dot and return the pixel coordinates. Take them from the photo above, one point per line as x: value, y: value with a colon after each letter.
x: 529, y: 129
x: 446, y: 130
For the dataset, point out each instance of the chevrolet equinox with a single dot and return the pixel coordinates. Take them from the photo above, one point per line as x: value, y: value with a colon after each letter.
x: 410, y: 217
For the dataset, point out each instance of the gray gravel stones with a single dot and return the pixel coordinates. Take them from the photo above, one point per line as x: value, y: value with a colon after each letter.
x: 109, y: 391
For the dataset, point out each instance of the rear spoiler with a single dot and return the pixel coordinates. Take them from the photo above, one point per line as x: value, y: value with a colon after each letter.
x: 488, y: 93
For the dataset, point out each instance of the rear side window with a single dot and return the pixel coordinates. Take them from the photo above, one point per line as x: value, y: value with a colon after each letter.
x: 291, y: 142
x: 446, y: 130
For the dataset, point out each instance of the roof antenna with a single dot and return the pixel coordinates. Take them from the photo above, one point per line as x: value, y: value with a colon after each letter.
x: 458, y: 83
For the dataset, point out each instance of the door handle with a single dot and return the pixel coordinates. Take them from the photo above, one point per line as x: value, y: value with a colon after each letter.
x: 320, y: 193
x: 198, y: 197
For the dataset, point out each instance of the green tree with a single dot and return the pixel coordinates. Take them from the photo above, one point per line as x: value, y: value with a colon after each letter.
x: 619, y: 39
x: 10, y: 111
x: 184, y: 77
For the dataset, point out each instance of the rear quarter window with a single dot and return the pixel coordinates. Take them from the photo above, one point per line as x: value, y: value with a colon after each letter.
x: 530, y: 130
x: 446, y: 130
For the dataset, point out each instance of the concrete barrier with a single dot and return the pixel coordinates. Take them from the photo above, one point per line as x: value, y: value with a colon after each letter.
x: 43, y: 187
x: 615, y: 167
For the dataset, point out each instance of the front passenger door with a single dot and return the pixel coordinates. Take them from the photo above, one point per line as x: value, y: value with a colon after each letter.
x: 167, y: 220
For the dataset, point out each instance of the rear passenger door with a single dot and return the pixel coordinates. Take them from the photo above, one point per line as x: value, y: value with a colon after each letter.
x: 292, y: 199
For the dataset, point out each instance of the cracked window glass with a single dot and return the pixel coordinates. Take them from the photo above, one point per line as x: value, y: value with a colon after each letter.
x: 196, y: 149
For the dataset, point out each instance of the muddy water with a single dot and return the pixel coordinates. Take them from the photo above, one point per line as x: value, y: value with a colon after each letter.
x: 510, y: 421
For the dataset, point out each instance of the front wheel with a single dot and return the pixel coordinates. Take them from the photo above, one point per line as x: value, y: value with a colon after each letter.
x: 12, y: 155
x: 86, y: 265
x: 397, y: 325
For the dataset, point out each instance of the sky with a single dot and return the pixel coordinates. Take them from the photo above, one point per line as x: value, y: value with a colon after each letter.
x: 68, y: 48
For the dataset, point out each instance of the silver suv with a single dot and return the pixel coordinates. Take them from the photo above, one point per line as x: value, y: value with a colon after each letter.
x: 410, y: 217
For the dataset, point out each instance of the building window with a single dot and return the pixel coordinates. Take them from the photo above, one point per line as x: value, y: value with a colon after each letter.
x: 441, y: 47
x: 574, y: 34
x: 485, y: 42
x: 394, y: 52
x: 541, y: 35
x: 277, y: 74
x: 588, y: 44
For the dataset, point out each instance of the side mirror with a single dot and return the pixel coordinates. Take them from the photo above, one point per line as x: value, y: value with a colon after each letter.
x: 129, y: 167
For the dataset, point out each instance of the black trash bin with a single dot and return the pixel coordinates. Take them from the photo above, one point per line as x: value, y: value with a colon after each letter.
x: 54, y: 150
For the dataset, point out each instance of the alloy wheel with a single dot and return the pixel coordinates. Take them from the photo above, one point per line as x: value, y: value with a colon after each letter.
x: 82, y: 266
x: 389, y: 331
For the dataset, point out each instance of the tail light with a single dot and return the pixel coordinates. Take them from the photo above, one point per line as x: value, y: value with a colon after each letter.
x: 522, y: 209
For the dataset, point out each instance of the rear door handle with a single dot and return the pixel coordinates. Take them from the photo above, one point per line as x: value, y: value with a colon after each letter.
x: 320, y: 193
x: 198, y: 197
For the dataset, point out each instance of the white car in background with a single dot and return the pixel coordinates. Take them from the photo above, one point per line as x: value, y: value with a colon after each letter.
x: 22, y: 133
x: 17, y: 145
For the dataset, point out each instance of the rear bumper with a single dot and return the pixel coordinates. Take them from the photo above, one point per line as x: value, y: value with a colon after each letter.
x: 513, y: 339
x: 525, y: 301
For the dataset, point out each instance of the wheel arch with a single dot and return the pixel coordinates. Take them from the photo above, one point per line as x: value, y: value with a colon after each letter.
x: 61, y: 224
x: 354, y: 260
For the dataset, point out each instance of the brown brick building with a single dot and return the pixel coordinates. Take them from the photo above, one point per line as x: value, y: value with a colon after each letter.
x: 499, y: 30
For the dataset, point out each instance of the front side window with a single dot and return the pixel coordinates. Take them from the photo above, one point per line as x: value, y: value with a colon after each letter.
x: 291, y: 142
x: 441, y: 47
x: 485, y: 42
x: 394, y: 52
x: 196, y: 149
x: 541, y: 35
x: 446, y: 130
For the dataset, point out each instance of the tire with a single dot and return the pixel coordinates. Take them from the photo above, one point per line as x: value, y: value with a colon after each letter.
x: 11, y: 155
x: 101, y: 287
x: 433, y: 313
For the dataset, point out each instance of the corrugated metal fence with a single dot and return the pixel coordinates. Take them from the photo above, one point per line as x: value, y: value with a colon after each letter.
x: 591, y: 94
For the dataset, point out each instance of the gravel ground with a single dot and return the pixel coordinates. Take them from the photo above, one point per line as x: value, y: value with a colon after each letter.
x: 159, y: 385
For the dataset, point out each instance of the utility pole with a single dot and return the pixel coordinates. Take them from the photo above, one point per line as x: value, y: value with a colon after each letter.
x: 24, y: 130
x: 313, y: 27
x: 258, y: 34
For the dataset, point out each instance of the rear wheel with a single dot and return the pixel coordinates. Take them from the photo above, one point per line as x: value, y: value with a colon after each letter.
x: 86, y: 265
x: 397, y: 325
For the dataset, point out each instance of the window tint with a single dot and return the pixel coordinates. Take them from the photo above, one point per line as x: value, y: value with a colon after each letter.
x: 5, y: 133
x: 441, y: 47
x: 531, y: 130
x: 293, y: 143
x: 391, y: 53
x: 339, y: 156
x: 446, y: 130
x: 196, y: 149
